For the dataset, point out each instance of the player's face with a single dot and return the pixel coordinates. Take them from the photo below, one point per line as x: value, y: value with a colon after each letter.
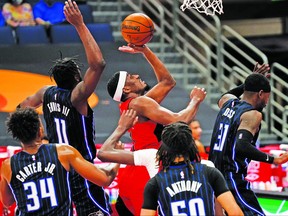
x: 196, y: 130
x: 137, y: 85
x: 78, y: 76
x: 266, y: 98
x: 263, y: 100
x: 41, y: 129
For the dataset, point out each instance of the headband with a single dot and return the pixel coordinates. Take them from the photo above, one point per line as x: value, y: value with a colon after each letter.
x: 120, y: 85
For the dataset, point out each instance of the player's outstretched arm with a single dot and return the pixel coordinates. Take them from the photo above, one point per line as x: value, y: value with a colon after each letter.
x: 34, y: 100
x: 112, y: 149
x: 70, y: 157
x: 148, y: 108
x: 250, y: 122
x: 94, y: 56
x: 147, y: 212
x: 281, y: 159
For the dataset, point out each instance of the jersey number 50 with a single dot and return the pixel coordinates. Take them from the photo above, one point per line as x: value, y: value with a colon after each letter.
x: 196, y: 207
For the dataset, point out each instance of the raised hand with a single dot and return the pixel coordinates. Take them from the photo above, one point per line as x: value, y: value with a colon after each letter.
x: 198, y: 93
x: 72, y: 13
x: 119, y: 145
x: 130, y: 48
x: 262, y: 69
x: 281, y: 159
x: 128, y: 119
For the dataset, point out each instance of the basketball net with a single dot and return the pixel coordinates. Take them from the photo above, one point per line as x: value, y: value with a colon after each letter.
x: 209, y: 7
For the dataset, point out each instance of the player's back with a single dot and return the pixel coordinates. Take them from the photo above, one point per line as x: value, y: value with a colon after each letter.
x: 65, y: 125
x: 182, y: 192
x: 40, y: 183
x: 223, y: 140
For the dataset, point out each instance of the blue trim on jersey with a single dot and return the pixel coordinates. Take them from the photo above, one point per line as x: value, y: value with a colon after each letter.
x: 160, y: 208
x: 234, y: 156
x: 94, y: 201
x: 239, y: 196
x: 85, y: 135
x: 13, y: 193
x: 247, y: 185
x: 247, y: 162
x: 70, y: 192
x: 94, y: 131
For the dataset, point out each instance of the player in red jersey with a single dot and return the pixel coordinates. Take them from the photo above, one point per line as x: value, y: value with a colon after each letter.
x: 133, y: 93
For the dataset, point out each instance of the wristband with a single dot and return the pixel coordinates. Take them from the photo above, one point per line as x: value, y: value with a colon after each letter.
x: 269, y: 159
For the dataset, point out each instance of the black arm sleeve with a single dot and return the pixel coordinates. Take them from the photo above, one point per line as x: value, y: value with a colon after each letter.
x: 237, y: 91
x: 245, y: 149
x: 151, y: 195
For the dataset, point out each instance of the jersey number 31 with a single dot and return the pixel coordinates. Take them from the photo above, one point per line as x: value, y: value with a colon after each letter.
x: 223, y: 129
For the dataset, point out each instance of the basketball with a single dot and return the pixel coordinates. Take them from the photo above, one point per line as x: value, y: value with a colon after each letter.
x: 137, y: 29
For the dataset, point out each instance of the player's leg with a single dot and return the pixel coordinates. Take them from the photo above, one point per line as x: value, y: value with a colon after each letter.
x: 88, y: 197
x: 244, y: 196
x: 121, y: 208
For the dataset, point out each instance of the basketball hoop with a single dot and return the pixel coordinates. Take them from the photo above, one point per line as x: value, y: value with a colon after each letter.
x: 209, y: 7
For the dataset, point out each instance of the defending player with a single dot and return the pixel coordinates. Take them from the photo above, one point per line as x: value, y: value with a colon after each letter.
x: 68, y: 116
x: 38, y: 177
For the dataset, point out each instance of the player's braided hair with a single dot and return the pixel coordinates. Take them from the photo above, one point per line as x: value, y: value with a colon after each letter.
x: 23, y: 124
x: 66, y: 72
x: 13, y: 1
x: 177, y: 141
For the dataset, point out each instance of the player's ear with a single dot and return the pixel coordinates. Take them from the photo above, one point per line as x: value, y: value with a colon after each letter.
x: 41, y: 129
x: 40, y: 133
x: 78, y: 77
x: 260, y: 93
x: 126, y: 89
